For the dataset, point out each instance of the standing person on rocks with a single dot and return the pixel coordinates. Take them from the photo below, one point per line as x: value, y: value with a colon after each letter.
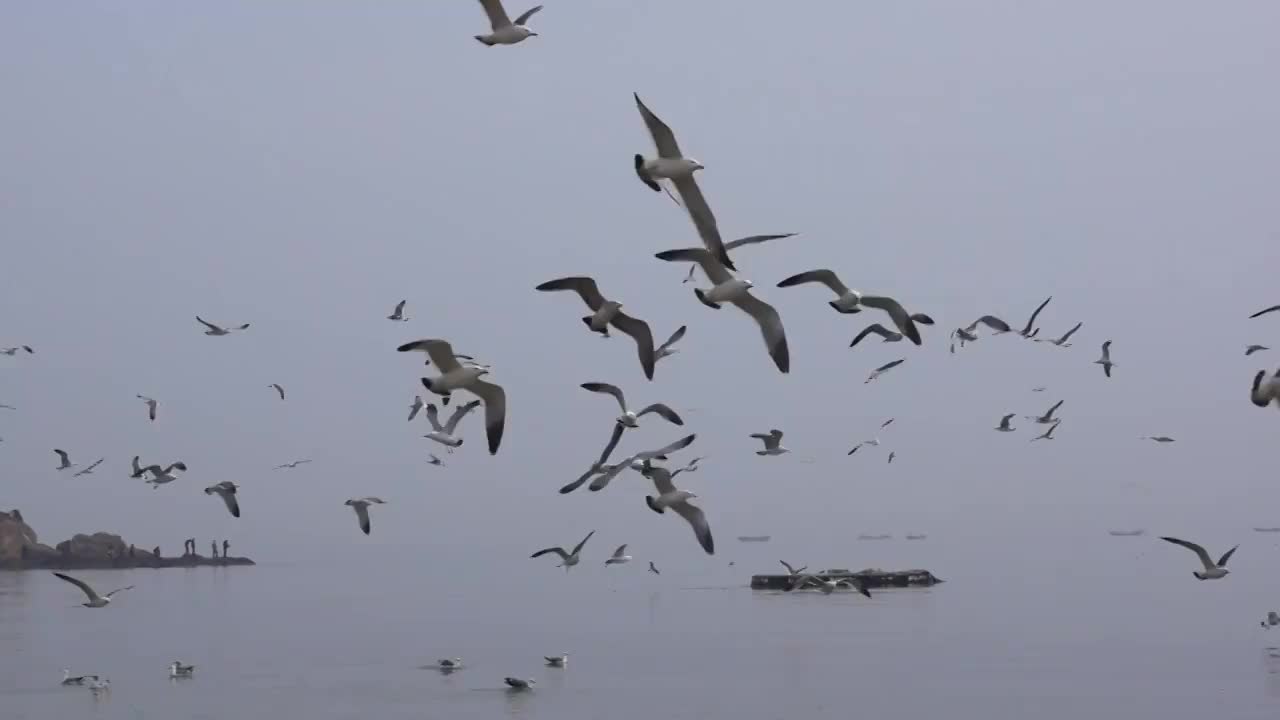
x: 225, y: 545
x: 214, y: 544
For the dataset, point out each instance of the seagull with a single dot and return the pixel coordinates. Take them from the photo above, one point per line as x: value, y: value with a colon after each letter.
x: 14, y: 350
x: 1046, y: 418
x: 606, y: 313
x: 455, y: 376
x: 1159, y: 438
x: 89, y: 469
x: 772, y: 442
x: 1039, y: 389
x: 754, y: 240
x: 1273, y: 308
x: 738, y: 292
x: 1263, y: 392
x: 505, y: 32
x: 291, y: 465
x: 398, y: 313
x: 568, y: 560
x: 7, y: 407
x: 619, y: 556
x: 999, y: 326
x: 227, y: 491
x: 68, y: 679
x: 886, y: 423
x: 1273, y: 619
x: 671, y: 164
x: 891, y: 456
x: 517, y: 684
x: 848, y: 300
x: 963, y: 335
x: 361, y: 506
x: 678, y: 500
x: 151, y: 406
x: 665, y: 348
x: 444, y: 434
x: 1212, y: 570
x: 792, y: 571
x: 97, y: 686
x: 95, y: 600
x: 1047, y: 434
x: 161, y: 476
x: 1004, y: 425
x: 654, y: 568
x: 1062, y: 341
x: 883, y: 369
x: 138, y: 470
x: 1254, y: 348
x: 215, y: 330
x: 278, y: 389
x: 414, y: 407
x: 628, y: 419
x: 1026, y: 332
x: 1105, y: 360
x: 449, y: 664
x: 872, y: 441
x: 558, y: 661
x: 66, y: 461
x: 887, y: 334
x: 606, y: 473
x: 826, y: 585
x: 432, y: 459
x: 178, y: 670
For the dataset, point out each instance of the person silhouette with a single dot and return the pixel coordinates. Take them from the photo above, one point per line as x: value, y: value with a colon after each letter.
x: 214, y: 544
x: 225, y: 545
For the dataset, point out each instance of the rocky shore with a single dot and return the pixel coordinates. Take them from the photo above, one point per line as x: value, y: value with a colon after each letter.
x: 21, y: 549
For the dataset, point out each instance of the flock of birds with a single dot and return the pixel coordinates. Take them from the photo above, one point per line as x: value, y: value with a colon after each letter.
x: 669, y: 168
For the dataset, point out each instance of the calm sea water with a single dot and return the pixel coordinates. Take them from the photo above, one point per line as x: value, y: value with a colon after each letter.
x: 1121, y: 630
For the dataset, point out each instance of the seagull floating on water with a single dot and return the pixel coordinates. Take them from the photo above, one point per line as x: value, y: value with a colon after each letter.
x: 608, y: 312
x: 449, y: 664
x: 517, y: 684
x: 227, y: 491
x: 455, y: 376
x: 215, y: 330
x: 557, y: 661
x: 178, y: 670
x: 568, y: 560
x: 851, y: 301
x: 95, y: 600
x: 1212, y: 570
x: 505, y: 32
x: 1105, y: 360
x: 151, y: 406
x: 361, y: 506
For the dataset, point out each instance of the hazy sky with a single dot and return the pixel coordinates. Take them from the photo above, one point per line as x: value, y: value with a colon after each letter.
x: 305, y: 165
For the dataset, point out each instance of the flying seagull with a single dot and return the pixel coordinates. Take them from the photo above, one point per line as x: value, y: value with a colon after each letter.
x: 1254, y: 348
x: 568, y: 560
x: 215, y: 330
x: 557, y: 661
x: 1159, y: 438
x: 671, y: 164
x: 883, y: 369
x: 278, y: 389
x: 772, y: 442
x: 792, y: 571
x: 849, y: 300
x: 999, y: 326
x: 11, y: 351
x: 755, y: 239
x: 1105, y: 360
x: 619, y: 556
x: 873, y: 441
x: 95, y: 600
x: 606, y: 313
x: 678, y: 500
x: 361, y: 506
x: 1273, y: 619
x: 609, y: 472
x: 627, y: 419
x: 1027, y: 332
x: 414, y: 407
x: 89, y: 469
x: 151, y: 406
x: 1062, y: 341
x: 886, y: 334
x: 444, y: 434
x: 65, y: 460
x: 654, y: 568
x: 455, y: 376
x: 1262, y: 393
x: 1212, y: 570
x: 1273, y: 308
x: 505, y: 32
x: 665, y: 348
x: 138, y: 470
x: 292, y: 465
x: 161, y: 476
x: 1047, y: 418
x: 892, y: 455
x: 398, y: 313
x: 738, y: 292
x: 1004, y: 425
x: 7, y: 407
x: 1047, y: 434
x: 227, y: 491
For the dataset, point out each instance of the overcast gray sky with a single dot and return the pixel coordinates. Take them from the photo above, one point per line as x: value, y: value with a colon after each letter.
x: 305, y: 165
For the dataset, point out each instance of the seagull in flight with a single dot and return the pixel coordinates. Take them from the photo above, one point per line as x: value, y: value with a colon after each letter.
x: 886, y: 334
x: 568, y: 560
x: 398, y: 314
x: 1254, y: 348
x: 292, y: 465
x: 1159, y: 438
x: 1260, y: 313
x: 1048, y: 434
x: 215, y: 330
x: 1212, y: 570
x: 89, y: 470
x: 65, y: 460
x: 11, y: 351
x: 151, y: 406
x: 654, y: 568
x: 873, y: 442
x: 95, y: 600
x: 605, y: 473
x: 619, y: 556
x: 1105, y: 360
x: 1062, y: 341
x: 883, y: 369
x: 736, y: 291
x: 678, y: 500
x: 227, y: 491
x: 1004, y: 425
x: 1027, y: 332
x: 505, y: 32
x: 414, y: 407
x: 792, y: 571
x: 605, y: 313
x: 178, y: 670
x: 665, y: 348
x: 361, y: 506
x: 278, y: 389
x: 1264, y: 391
x: 1046, y: 418
x: 455, y: 376
x: 444, y: 434
x: 851, y: 301
x: 161, y: 476
x: 772, y: 442
x: 628, y: 418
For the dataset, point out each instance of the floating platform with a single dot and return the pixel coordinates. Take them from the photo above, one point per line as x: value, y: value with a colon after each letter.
x: 1126, y: 533
x: 754, y: 538
x: 871, y: 578
x: 1267, y: 529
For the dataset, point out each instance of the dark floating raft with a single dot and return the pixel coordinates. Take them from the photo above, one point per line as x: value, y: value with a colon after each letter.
x: 754, y: 538
x: 870, y: 578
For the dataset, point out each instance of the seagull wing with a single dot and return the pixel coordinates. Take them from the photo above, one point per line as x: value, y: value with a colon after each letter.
x: 876, y: 328
x: 824, y: 276
x: 137, y: 469
x: 495, y: 410
x: 698, y: 521
x: 527, y: 14
x: 622, y: 550
x: 84, y: 587
x: 399, y: 311
x: 775, y: 336
x: 992, y: 322
x: 460, y: 413
x: 66, y: 460
x: 890, y: 365
x: 585, y: 287
x: 661, y: 409
x: 899, y: 315
x: 606, y: 388
x: 787, y: 565
x: 577, y: 548
x: 1069, y: 333
x: 1032, y: 320
x: 117, y: 590
x: 922, y: 318
x: 279, y: 389
x: 415, y: 406
x: 675, y: 336
x: 440, y: 352
x: 497, y: 14
x: 715, y: 270
x: 229, y: 497
x: 753, y: 239
x: 208, y: 324
x: 1222, y: 561
x: 639, y: 331
x: 614, y: 437
x: 703, y: 219
x: 663, y: 139
x: 1273, y: 308
x: 362, y: 514
x: 1198, y: 550
x: 558, y: 551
